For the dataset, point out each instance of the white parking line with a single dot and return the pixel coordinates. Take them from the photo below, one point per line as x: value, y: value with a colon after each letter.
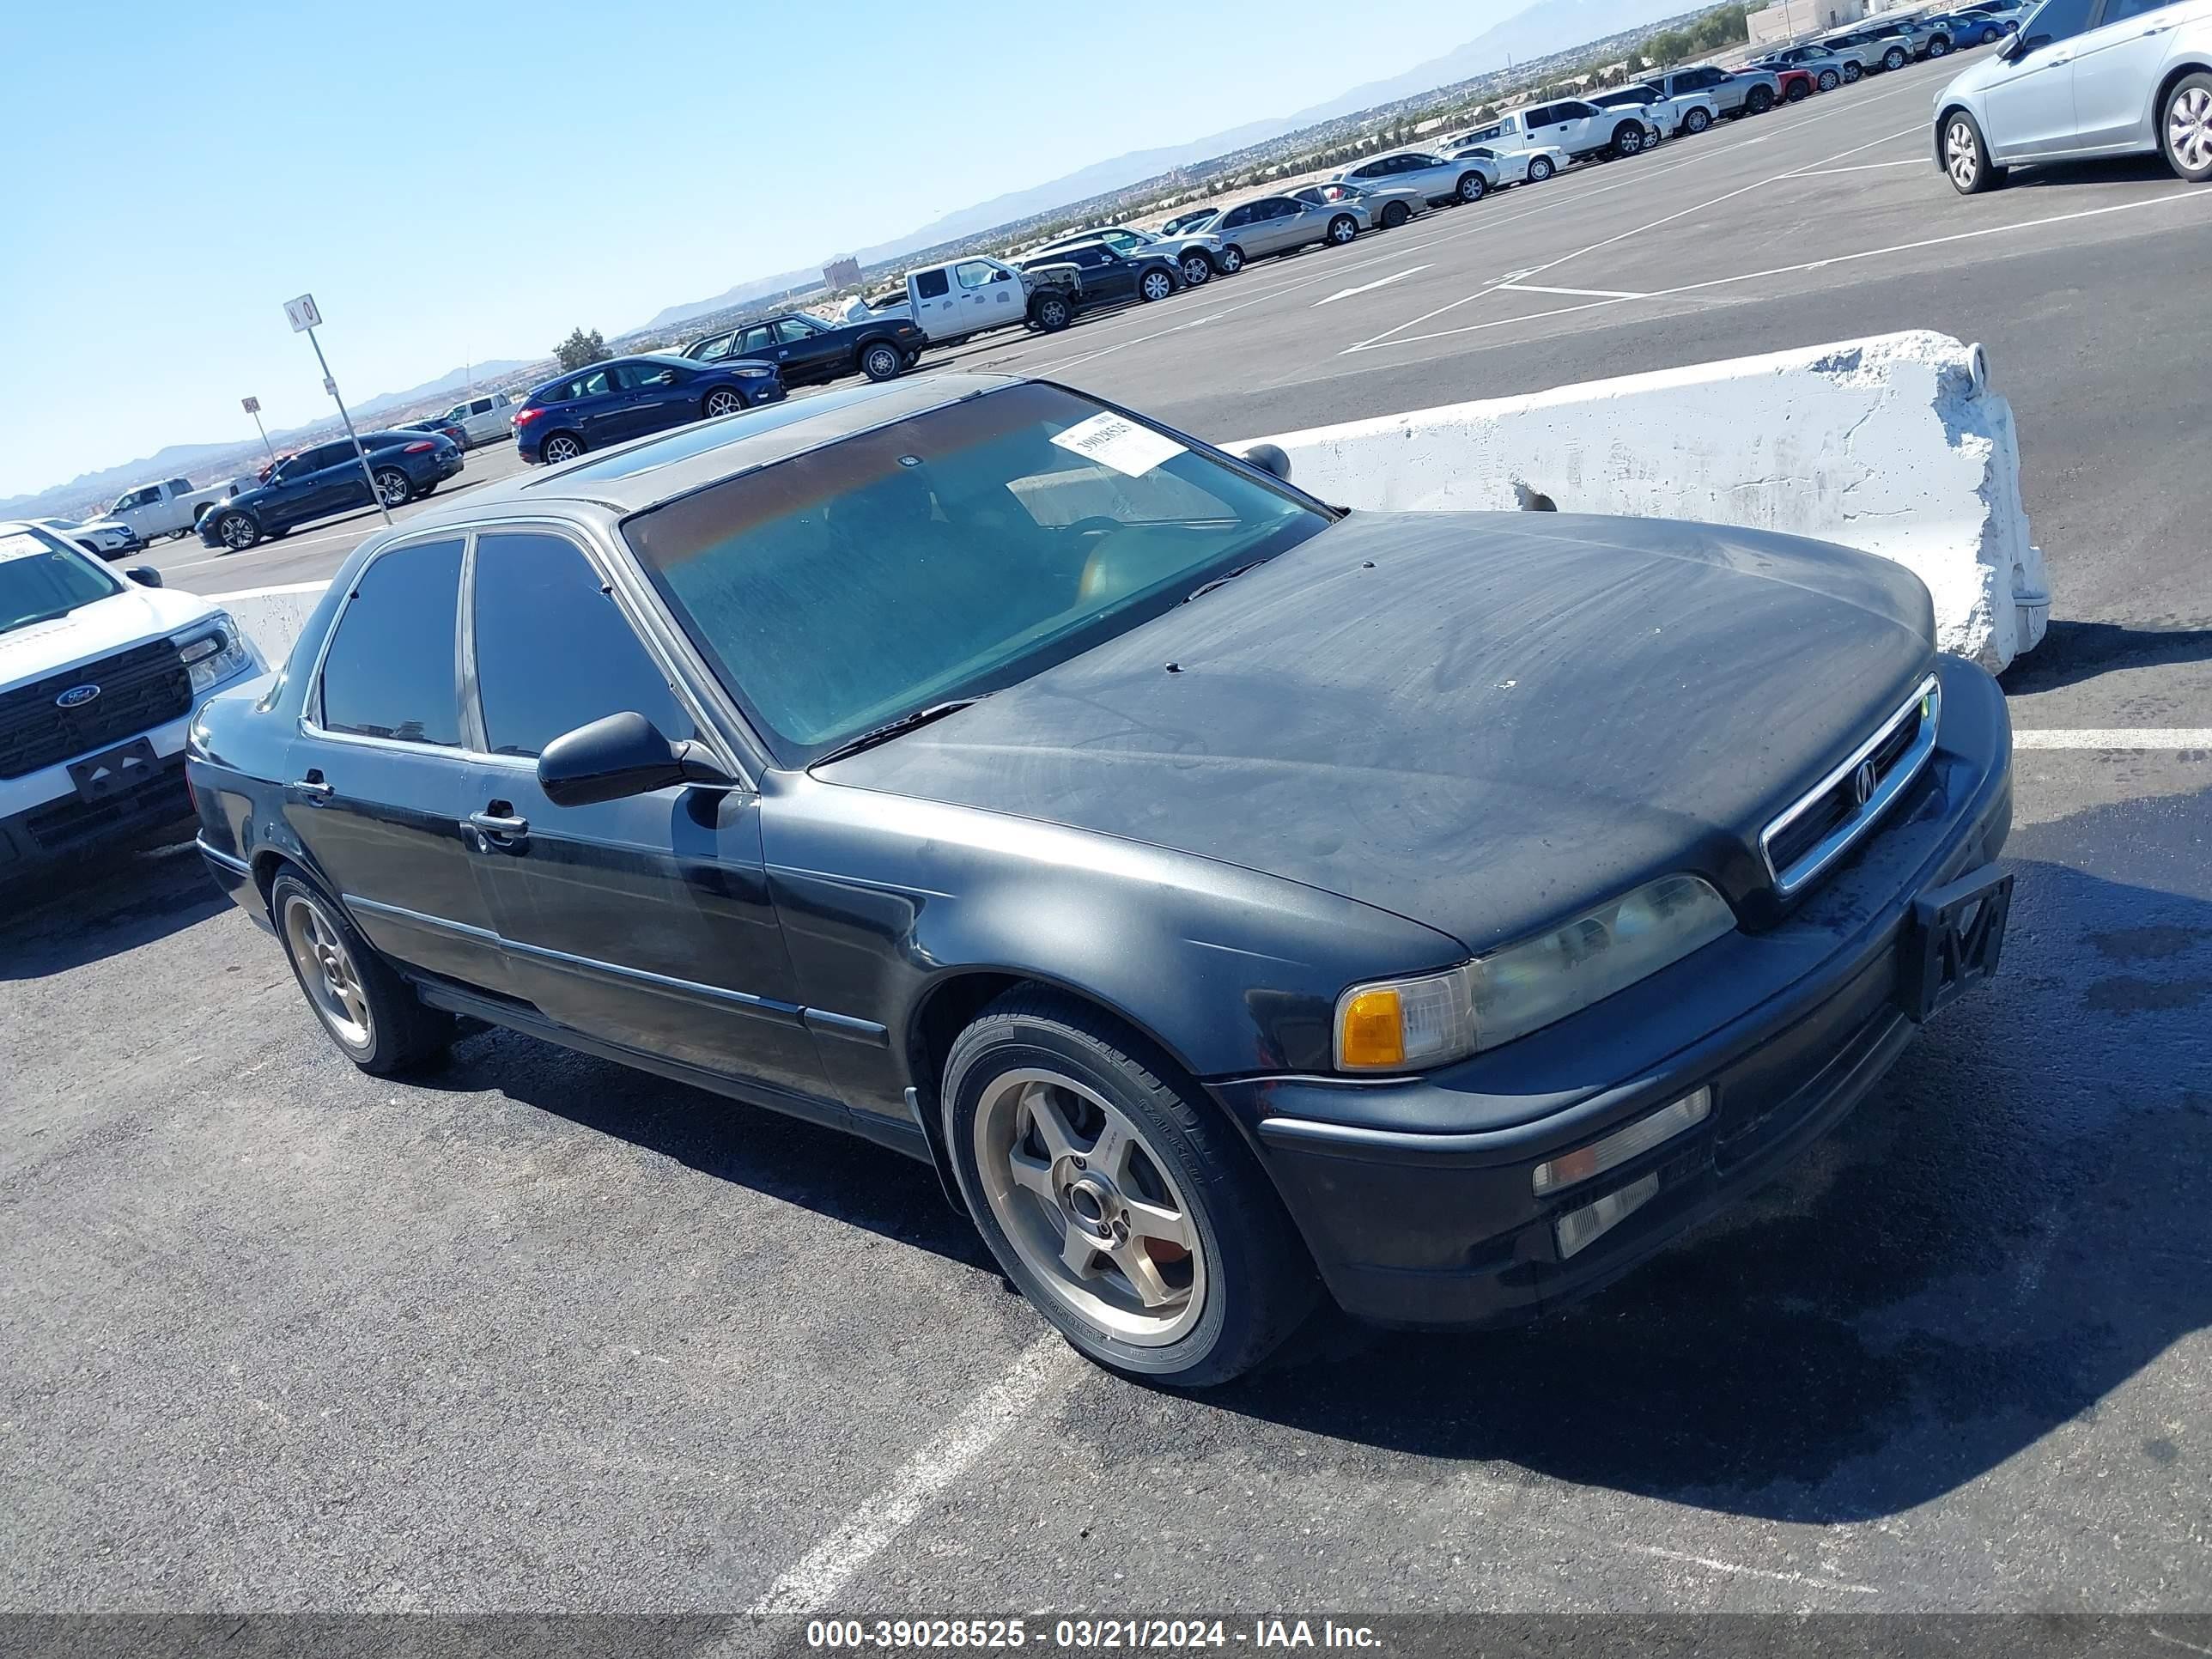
x: 2117, y: 736
x: 1867, y: 166
x: 1577, y: 293
x: 2167, y: 200
x: 1369, y: 288
x: 826, y: 1569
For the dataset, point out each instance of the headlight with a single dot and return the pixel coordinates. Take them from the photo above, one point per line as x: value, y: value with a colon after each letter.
x: 752, y: 373
x: 1395, y: 1025
x: 217, y: 654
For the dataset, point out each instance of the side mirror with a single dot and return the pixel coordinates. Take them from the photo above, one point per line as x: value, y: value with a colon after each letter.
x: 1268, y: 458
x: 619, y: 757
x: 144, y: 574
x: 2014, y: 47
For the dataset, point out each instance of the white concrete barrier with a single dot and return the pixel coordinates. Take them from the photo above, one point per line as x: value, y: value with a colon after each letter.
x: 1893, y: 445
x: 272, y: 617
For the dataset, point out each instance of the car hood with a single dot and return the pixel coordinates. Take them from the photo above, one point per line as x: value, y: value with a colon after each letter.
x: 1478, y: 721
x: 95, y: 630
x: 1973, y: 79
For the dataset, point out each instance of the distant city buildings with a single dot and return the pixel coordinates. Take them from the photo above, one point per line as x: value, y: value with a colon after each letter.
x: 842, y: 273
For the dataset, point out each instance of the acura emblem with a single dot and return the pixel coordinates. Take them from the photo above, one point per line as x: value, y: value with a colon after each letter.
x: 1862, y: 782
x: 76, y: 697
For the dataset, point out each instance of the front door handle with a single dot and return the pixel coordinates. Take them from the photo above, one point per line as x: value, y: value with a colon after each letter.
x: 501, y: 828
x: 314, y: 789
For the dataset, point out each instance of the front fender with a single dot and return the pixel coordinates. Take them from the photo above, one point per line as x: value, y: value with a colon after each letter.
x: 885, y: 900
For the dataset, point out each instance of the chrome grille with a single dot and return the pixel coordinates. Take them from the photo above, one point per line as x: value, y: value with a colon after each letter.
x: 1823, y: 823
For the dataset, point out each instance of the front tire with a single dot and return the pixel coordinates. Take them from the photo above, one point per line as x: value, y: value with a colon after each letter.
x: 1395, y: 213
x: 1472, y: 186
x: 1759, y: 100
x: 393, y: 486
x: 368, y: 1010
x: 1853, y: 73
x: 1829, y: 80
x: 1939, y: 47
x: 237, y: 531
x: 1116, y: 1199
x: 1627, y: 139
x: 2186, y: 128
x: 882, y: 361
x: 1967, y: 155
x: 1343, y: 230
x: 1154, y: 285
x: 721, y: 401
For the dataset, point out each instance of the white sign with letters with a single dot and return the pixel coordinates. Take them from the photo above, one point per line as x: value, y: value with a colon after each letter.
x: 302, y: 312
x: 1116, y: 442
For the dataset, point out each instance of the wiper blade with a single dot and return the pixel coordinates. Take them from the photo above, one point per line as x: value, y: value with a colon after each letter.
x: 890, y: 729
x: 1221, y: 580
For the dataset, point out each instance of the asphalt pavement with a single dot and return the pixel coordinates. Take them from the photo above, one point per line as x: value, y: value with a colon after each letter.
x: 537, y: 1332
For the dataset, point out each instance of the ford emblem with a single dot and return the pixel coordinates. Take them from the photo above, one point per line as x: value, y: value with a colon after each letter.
x: 76, y: 697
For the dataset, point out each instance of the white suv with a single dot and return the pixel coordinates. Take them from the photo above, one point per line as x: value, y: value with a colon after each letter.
x: 2085, y: 78
x: 99, y: 677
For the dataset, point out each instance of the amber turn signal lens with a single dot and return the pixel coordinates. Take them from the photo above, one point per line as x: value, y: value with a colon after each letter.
x: 1373, y: 1032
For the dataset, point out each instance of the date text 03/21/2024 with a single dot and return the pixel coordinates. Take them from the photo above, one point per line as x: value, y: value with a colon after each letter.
x: 1085, y: 1634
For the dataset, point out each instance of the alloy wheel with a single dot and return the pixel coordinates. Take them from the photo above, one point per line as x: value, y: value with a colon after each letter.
x: 1232, y: 260
x: 560, y: 449
x: 391, y: 488
x: 1196, y: 271
x: 2188, y: 128
x: 1342, y: 229
x: 1539, y: 170
x: 1089, y: 1206
x: 328, y: 971
x: 1963, y: 155
x: 1938, y: 48
x: 236, y: 530
x: 722, y: 403
x: 1158, y: 285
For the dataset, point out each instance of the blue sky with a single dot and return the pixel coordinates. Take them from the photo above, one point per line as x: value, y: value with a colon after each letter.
x: 469, y: 180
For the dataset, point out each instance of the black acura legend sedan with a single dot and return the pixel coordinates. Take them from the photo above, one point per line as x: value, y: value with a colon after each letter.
x: 1236, y: 899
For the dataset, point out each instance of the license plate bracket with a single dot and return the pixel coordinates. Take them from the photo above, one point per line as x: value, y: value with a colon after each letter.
x: 114, y: 770
x: 1957, y: 936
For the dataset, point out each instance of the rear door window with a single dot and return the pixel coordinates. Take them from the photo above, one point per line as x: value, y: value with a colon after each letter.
x: 932, y: 284
x: 530, y: 587
x: 389, y: 671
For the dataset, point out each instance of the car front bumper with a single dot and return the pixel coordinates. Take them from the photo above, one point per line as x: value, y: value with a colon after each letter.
x: 1433, y: 1225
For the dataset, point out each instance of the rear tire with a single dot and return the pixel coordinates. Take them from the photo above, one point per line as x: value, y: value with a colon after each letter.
x: 1395, y: 213
x: 1852, y: 74
x: 1197, y: 271
x: 882, y: 361
x: 1967, y: 155
x: 1051, y: 313
x: 1472, y: 187
x: 1939, y: 47
x: 1895, y: 58
x: 2184, y: 126
x: 560, y: 447
x: 1063, y: 1126
x: 393, y: 486
x: 1540, y: 168
x: 1155, y: 286
x: 1695, y: 120
x: 1232, y: 260
x: 372, y: 1014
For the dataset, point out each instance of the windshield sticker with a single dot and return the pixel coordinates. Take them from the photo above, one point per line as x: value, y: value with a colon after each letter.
x: 1120, y: 443
x: 21, y: 546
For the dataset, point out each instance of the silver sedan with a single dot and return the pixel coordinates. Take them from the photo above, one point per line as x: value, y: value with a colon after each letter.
x: 1384, y: 206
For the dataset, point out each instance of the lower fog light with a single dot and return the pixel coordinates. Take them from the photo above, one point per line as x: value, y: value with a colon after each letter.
x: 1578, y: 1229
x: 1622, y: 1145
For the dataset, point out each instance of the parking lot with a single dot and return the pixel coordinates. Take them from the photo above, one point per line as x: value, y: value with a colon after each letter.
x: 538, y: 1331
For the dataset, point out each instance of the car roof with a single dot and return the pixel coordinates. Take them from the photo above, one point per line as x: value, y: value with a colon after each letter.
x: 657, y: 469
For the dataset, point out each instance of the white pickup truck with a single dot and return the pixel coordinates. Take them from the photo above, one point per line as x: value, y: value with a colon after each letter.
x: 98, y: 678
x: 963, y: 297
x: 1579, y: 129
x: 172, y: 507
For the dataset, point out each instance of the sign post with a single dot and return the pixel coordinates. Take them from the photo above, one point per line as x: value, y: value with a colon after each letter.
x: 253, y: 408
x: 305, y: 318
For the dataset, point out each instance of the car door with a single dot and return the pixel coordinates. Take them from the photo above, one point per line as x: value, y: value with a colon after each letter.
x: 645, y: 921
x: 595, y: 407
x: 2028, y: 103
x: 936, y: 303
x: 379, y: 781
x: 133, y: 509
x: 315, y: 483
x: 655, y: 397
x: 808, y: 353
x: 2115, y: 72
x: 989, y: 296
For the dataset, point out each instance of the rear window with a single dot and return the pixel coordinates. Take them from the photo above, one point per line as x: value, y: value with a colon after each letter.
x: 932, y: 284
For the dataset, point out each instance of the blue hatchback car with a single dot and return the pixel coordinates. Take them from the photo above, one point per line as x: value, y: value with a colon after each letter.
x: 626, y: 398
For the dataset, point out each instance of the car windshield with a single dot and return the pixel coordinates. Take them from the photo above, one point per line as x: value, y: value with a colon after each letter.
x: 39, y: 579
x: 949, y: 554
